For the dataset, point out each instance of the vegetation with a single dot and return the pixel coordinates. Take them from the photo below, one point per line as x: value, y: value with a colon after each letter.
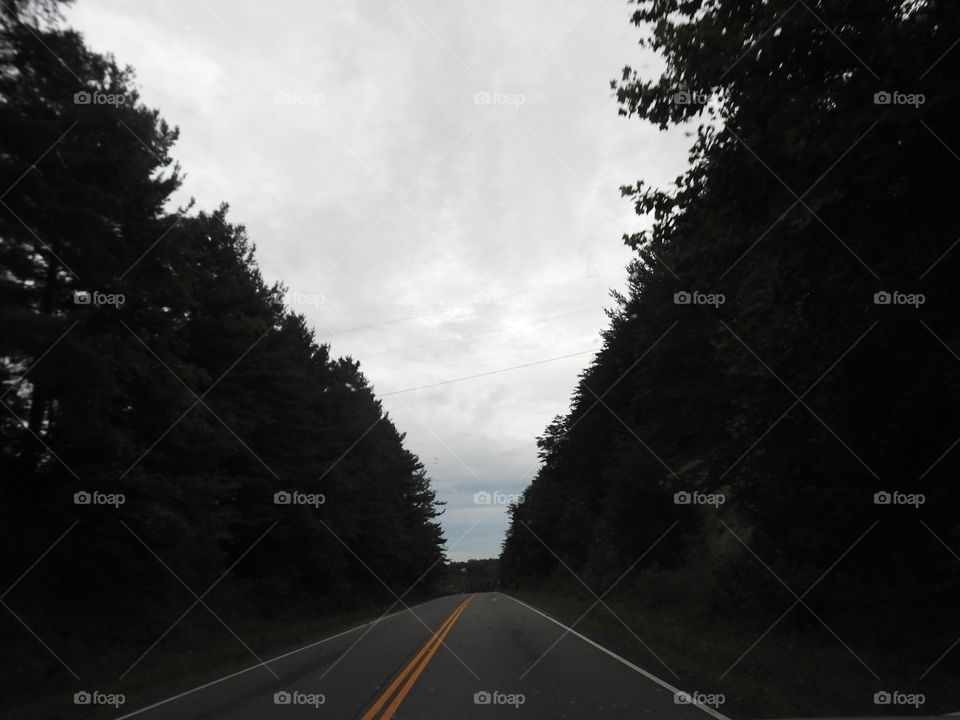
x: 470, y: 576
x: 149, y: 369
x: 788, y: 347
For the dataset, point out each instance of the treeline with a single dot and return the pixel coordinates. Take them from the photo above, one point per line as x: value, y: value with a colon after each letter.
x: 162, y: 406
x: 470, y: 576
x: 790, y: 339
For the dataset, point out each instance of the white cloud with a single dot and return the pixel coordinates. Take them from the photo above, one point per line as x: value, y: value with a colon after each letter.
x: 399, y: 197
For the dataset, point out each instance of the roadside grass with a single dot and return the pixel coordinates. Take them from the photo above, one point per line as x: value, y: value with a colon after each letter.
x: 200, y: 650
x: 794, y: 671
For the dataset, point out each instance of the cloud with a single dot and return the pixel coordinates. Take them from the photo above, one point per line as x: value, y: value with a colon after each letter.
x: 447, y: 238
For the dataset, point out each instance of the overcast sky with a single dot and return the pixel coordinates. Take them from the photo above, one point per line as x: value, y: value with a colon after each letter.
x: 422, y: 230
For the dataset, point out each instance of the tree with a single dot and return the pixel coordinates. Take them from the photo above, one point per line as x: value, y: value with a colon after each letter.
x: 822, y: 173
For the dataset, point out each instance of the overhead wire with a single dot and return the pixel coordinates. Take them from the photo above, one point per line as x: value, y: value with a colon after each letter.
x: 460, y: 307
x: 489, y: 372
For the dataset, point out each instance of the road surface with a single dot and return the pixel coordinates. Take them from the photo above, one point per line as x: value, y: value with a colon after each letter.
x: 460, y: 657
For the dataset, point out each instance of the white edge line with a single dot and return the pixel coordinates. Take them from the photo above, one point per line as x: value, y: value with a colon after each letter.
x: 258, y: 665
x: 653, y: 678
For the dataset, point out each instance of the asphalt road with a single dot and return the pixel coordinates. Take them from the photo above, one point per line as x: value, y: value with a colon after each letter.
x: 455, y: 658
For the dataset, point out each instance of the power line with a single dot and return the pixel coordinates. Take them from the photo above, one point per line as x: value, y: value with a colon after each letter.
x: 485, y: 332
x: 490, y: 372
x: 460, y: 307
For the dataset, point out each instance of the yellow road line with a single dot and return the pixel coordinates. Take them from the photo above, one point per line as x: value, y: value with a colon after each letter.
x: 434, y: 642
x: 392, y: 708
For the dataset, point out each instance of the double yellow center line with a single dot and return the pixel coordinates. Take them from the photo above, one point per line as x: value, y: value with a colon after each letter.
x: 413, y: 669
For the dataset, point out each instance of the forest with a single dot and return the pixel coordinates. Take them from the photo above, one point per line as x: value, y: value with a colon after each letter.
x: 755, y: 486
x: 768, y: 435
x: 173, y: 437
